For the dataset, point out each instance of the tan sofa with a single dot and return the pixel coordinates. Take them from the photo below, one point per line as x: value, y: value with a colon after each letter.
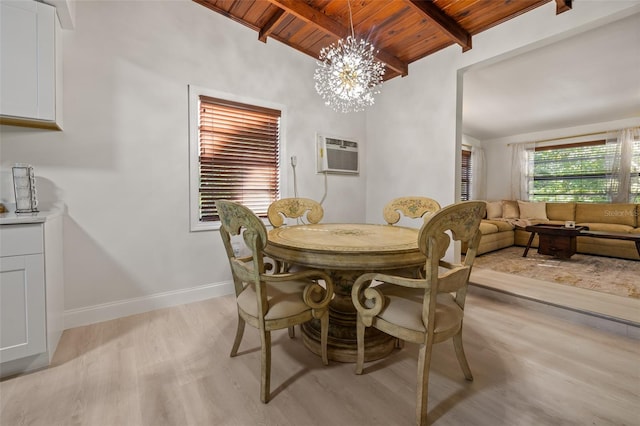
x: 508, y: 229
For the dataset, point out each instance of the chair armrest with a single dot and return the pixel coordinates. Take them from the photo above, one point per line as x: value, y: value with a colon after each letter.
x: 397, y: 280
x: 448, y: 265
x: 301, y: 275
x: 314, y: 295
x: 369, y: 301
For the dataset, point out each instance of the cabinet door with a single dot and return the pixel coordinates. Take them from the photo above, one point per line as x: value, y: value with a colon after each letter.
x: 22, y: 307
x: 27, y: 58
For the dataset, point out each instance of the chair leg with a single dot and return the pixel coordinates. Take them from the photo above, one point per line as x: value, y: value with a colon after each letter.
x: 239, y: 333
x: 324, y: 336
x: 462, y: 359
x: 265, y: 380
x: 424, y: 362
x: 360, y: 355
x: 292, y: 332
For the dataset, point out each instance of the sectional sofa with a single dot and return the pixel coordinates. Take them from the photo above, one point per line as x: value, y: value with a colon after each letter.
x: 506, y: 219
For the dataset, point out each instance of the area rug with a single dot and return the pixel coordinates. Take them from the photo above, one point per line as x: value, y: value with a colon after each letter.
x: 608, y: 275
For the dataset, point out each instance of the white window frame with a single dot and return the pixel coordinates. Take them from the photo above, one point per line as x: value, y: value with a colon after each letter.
x: 194, y: 93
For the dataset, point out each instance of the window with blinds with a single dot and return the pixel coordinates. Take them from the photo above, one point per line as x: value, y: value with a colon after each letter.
x: 465, y: 175
x: 239, y: 156
x: 576, y: 172
x: 635, y: 174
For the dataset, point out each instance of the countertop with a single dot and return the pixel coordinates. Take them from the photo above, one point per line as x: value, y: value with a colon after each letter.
x: 12, y: 218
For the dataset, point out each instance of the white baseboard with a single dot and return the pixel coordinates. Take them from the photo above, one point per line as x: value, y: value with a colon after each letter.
x: 122, y: 308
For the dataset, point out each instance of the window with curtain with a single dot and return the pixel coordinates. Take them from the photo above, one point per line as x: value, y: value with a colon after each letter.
x: 635, y: 173
x: 465, y: 175
x: 238, y: 156
x: 578, y: 172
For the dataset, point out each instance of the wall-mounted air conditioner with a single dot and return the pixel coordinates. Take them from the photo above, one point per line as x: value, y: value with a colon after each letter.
x: 336, y: 155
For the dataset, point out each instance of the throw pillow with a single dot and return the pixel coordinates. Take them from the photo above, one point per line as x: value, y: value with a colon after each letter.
x: 510, y: 209
x: 494, y: 209
x: 530, y: 210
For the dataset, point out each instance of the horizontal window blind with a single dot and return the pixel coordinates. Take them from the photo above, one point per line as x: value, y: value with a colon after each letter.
x: 465, y: 175
x: 576, y: 172
x: 635, y: 173
x: 239, y: 156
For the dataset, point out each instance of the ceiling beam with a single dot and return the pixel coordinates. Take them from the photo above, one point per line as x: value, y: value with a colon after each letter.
x: 271, y: 24
x: 324, y: 23
x: 562, y: 6
x: 447, y: 24
x: 225, y: 13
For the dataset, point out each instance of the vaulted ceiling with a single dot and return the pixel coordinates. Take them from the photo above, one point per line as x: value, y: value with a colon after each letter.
x: 403, y: 31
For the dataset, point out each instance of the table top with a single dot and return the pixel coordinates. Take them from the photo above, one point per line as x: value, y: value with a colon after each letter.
x: 346, y: 246
x: 555, y: 229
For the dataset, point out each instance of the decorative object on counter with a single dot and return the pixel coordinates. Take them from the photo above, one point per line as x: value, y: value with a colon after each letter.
x: 3, y: 209
x: 24, y: 185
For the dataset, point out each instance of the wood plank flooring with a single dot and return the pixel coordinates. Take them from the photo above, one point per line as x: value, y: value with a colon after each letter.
x: 172, y: 367
x: 617, y: 308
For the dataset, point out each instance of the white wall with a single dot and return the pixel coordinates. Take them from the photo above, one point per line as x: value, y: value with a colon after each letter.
x: 413, y: 132
x: 121, y: 163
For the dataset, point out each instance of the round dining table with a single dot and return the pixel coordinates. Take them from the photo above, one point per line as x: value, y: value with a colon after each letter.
x: 345, y: 251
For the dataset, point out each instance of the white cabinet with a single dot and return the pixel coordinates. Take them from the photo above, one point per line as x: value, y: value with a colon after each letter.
x: 22, y: 292
x: 30, y: 62
x: 31, y: 294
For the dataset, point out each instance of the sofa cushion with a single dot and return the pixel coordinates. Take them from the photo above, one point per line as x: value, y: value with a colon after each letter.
x: 487, y: 228
x: 609, y: 227
x: 561, y: 211
x: 635, y: 231
x: 532, y: 210
x: 501, y: 225
x: 510, y: 209
x: 494, y: 209
x: 622, y: 214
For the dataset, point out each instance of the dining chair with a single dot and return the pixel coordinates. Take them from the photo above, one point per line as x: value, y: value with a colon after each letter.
x: 425, y: 310
x: 412, y: 207
x: 269, y: 301
x: 294, y: 208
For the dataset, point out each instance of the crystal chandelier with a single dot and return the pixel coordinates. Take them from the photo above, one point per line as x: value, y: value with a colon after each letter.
x: 348, y: 74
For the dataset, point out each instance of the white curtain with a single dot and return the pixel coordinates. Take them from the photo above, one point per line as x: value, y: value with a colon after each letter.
x: 478, y: 191
x: 521, y: 170
x: 619, y: 164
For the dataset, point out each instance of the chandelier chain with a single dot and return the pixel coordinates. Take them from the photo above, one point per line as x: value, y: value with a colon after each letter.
x: 351, y: 19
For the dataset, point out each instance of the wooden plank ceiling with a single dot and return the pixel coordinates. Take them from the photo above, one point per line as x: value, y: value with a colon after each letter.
x: 402, y: 30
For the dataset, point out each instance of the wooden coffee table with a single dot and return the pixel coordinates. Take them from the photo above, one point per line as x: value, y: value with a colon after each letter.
x: 555, y: 240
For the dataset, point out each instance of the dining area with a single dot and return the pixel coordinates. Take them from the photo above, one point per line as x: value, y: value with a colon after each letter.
x: 358, y: 291
x: 171, y: 366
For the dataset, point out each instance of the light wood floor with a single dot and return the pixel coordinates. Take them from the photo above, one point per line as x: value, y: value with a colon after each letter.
x: 171, y: 367
x: 625, y: 310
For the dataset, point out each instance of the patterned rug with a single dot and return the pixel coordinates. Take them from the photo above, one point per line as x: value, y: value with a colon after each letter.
x: 609, y: 275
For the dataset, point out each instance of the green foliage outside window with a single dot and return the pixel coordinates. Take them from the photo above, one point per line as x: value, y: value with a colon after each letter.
x: 579, y: 173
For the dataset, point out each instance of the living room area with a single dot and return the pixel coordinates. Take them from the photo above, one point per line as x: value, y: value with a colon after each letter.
x: 566, y: 173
